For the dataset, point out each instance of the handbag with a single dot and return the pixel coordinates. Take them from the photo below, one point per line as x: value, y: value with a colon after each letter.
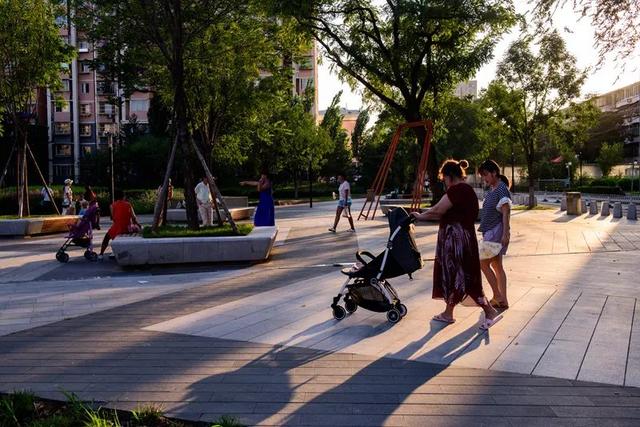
x: 488, y: 250
x: 133, y: 228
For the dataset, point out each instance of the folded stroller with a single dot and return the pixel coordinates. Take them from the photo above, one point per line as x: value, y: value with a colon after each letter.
x: 367, y: 286
x: 81, y: 235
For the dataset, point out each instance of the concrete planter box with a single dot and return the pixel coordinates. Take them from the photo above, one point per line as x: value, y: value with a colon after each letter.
x: 34, y: 226
x: 135, y: 250
x: 180, y: 215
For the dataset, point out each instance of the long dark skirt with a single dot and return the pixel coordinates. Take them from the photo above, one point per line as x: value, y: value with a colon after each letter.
x: 265, y: 212
x: 456, y: 272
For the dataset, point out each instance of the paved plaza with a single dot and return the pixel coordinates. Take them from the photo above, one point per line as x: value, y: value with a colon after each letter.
x: 258, y: 341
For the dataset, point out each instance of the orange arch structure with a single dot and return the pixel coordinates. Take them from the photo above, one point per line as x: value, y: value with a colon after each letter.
x: 375, y: 192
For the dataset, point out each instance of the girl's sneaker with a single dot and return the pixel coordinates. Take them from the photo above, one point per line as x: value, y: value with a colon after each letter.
x: 333, y: 230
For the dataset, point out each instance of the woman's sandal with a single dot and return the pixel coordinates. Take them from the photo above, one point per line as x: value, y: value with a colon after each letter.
x: 441, y: 318
x: 497, y: 304
x: 490, y: 322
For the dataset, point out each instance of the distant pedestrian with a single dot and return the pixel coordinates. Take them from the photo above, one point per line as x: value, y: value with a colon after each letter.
x: 92, y: 199
x: 68, y: 204
x: 205, y: 202
x: 495, y: 227
x: 456, y: 269
x: 265, y: 215
x: 46, y: 192
x: 124, y: 220
x: 344, y: 203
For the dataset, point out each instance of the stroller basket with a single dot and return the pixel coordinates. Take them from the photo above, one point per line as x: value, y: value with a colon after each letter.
x: 371, y: 297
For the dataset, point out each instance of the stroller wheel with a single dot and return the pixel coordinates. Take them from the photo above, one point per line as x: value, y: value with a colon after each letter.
x: 402, y: 309
x: 62, y: 256
x: 393, y: 315
x: 350, y: 305
x: 339, y: 313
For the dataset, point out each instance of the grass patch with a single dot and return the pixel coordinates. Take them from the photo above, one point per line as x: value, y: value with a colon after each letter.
x: 181, y: 231
x: 28, y: 217
x: 535, y: 208
x: 23, y: 409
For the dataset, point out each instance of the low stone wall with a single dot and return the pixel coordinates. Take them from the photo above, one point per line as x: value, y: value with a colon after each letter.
x: 135, y: 250
x: 34, y: 226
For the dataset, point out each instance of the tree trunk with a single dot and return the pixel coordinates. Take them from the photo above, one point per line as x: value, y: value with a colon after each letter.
x: 25, y: 188
x: 161, y: 206
x: 44, y: 181
x: 532, y: 183
x: 296, y: 185
x: 19, y: 175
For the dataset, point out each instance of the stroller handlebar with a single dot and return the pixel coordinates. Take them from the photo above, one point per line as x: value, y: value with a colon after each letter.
x: 365, y: 253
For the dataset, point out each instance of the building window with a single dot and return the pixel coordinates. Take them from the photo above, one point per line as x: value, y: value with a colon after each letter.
x: 106, y: 108
x: 85, y: 88
x: 85, y: 109
x: 139, y: 105
x: 83, y: 46
x: 105, y: 88
x: 302, y: 84
x: 62, y: 107
x: 85, y: 130
x: 61, y: 20
x: 66, y: 85
x: 87, y: 150
x: 63, y: 171
x: 85, y: 67
x: 63, y: 128
x: 63, y: 150
x: 306, y: 63
x: 105, y: 128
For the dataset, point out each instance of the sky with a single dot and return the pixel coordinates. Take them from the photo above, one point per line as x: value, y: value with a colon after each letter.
x: 579, y: 43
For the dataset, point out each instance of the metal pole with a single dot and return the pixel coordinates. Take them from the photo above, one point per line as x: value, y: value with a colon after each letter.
x: 513, y: 168
x: 310, y: 187
x: 580, y: 158
x: 113, y: 182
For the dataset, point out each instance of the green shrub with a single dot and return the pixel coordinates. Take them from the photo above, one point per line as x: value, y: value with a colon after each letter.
x: 146, y: 416
x: 17, y: 409
x: 226, y: 421
x: 593, y: 189
x: 182, y: 231
x: 54, y: 421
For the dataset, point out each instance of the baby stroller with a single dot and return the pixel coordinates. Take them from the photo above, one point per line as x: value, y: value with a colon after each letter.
x: 80, y: 234
x: 370, y: 288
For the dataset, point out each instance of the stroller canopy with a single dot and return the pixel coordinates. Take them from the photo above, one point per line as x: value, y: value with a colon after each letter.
x: 403, y: 248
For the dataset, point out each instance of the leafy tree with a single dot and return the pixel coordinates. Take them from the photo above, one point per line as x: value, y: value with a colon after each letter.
x: 531, y: 89
x: 616, y: 24
x: 405, y: 51
x: 608, y: 128
x: 150, y: 42
x: 610, y: 155
x: 358, y: 134
x: 32, y: 55
x: 338, y: 159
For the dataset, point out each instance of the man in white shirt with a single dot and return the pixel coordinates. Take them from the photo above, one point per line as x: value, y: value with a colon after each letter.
x: 204, y: 200
x: 46, y: 203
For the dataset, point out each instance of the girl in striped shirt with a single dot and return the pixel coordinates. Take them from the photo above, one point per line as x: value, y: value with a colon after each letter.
x: 495, y: 227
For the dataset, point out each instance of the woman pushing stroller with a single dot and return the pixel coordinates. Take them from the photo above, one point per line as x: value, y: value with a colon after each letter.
x: 456, y: 271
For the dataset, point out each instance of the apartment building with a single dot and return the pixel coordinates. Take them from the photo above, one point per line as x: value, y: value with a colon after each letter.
x: 87, y: 118
x: 625, y: 101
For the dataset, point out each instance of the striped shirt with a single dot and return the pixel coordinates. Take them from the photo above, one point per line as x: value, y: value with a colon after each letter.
x: 493, y: 200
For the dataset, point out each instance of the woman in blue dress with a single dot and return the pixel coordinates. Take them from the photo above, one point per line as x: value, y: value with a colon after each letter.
x: 265, y: 212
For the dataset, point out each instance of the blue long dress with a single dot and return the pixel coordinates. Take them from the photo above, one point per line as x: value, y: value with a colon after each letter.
x: 265, y: 212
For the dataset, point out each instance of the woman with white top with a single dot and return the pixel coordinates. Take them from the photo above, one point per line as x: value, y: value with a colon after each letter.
x: 495, y: 227
x: 344, y: 203
x: 68, y: 204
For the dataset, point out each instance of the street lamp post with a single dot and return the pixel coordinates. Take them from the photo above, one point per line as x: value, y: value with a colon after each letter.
x: 113, y: 182
x: 633, y: 174
x: 569, y: 172
x: 579, y: 157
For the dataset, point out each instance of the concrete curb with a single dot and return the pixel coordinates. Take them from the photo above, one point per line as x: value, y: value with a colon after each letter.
x: 33, y: 226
